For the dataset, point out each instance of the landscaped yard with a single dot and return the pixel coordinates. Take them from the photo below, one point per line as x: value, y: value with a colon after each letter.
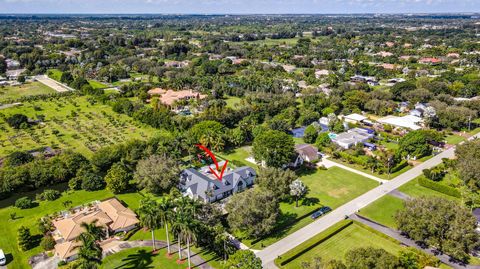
x: 238, y: 156
x: 76, y: 123
x: 12, y: 93
x: 454, y: 139
x: 368, y: 171
x: 352, y: 237
x: 55, y: 74
x: 29, y: 217
x: 332, y: 187
x: 383, y: 210
x: 97, y: 85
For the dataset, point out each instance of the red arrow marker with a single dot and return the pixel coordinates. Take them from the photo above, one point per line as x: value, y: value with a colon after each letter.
x: 219, y: 177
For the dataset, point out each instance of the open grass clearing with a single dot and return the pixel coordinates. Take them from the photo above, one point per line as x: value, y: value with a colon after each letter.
x: 12, y: 93
x: 383, y: 210
x: 369, y: 171
x: 333, y: 187
x: 352, y: 237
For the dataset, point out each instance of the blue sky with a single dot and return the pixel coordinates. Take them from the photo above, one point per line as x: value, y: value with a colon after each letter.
x: 238, y: 6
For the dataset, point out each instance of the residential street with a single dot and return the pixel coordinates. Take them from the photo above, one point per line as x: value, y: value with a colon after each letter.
x: 270, y: 253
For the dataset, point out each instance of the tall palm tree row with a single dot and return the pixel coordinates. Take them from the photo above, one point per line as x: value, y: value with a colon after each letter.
x: 149, y: 213
x: 166, y: 214
x: 185, y: 225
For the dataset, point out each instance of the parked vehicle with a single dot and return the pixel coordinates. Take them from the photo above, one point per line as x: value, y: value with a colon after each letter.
x: 3, y: 259
x: 322, y: 211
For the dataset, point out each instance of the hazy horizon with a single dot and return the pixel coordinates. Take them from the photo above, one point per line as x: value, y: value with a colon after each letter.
x: 246, y: 7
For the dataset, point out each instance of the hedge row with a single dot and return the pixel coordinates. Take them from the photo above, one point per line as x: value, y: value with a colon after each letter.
x: 400, y: 166
x: 427, y: 183
x: 312, y: 242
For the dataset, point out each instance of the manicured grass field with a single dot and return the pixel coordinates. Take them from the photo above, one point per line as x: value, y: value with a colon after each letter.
x: 332, y: 187
x: 55, y: 74
x: 383, y: 210
x: 233, y: 101
x: 352, y: 237
x: 97, y: 85
x: 237, y: 156
x: 11, y: 93
x: 76, y: 123
x: 454, y: 139
x: 141, y: 258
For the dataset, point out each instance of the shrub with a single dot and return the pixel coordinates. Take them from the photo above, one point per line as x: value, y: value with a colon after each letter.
x: 427, y: 183
x: 61, y: 263
x: 399, y: 166
x: 24, y: 203
x: 49, y: 195
x: 24, y: 238
x: 47, y: 243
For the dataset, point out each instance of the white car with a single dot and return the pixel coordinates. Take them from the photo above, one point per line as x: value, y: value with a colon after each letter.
x: 3, y: 260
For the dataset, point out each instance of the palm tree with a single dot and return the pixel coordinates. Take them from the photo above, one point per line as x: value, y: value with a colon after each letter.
x: 186, y: 228
x: 150, y: 216
x: 165, y: 213
x: 90, y: 252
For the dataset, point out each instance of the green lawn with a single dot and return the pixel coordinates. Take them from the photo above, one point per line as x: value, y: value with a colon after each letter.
x: 332, y: 187
x: 237, y: 156
x: 141, y: 258
x: 12, y: 93
x: 368, y: 171
x: 233, y: 101
x: 74, y: 123
x: 454, y: 139
x: 383, y: 210
x: 97, y: 85
x: 55, y: 74
x: 352, y: 237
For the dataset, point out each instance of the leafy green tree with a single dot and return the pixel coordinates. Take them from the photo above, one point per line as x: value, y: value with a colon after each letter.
x: 468, y: 163
x: 275, y: 148
x: 276, y: 180
x: 243, y: 259
x: 370, y: 258
x: 24, y: 238
x: 157, y: 174
x: 17, y: 120
x: 440, y: 223
x: 47, y: 243
x: 117, y: 178
x: 211, y: 134
x: 415, y: 144
x: 18, y: 158
x: 253, y: 211
x: 298, y: 190
x: 310, y: 134
x: 323, y: 140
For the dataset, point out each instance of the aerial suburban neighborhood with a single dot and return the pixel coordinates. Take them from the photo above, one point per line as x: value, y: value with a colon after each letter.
x: 222, y: 135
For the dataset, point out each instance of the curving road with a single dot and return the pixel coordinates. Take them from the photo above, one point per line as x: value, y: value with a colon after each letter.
x: 270, y: 253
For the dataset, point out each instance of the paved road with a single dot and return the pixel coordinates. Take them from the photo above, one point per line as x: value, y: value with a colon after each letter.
x: 57, y: 86
x: 406, y: 241
x: 270, y: 253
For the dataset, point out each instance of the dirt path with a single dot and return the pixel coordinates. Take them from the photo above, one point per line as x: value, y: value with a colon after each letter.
x: 57, y: 86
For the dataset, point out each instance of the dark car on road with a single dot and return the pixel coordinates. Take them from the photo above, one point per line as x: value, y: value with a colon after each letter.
x: 322, y: 211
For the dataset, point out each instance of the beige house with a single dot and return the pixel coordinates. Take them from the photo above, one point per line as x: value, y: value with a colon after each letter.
x: 110, y: 214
